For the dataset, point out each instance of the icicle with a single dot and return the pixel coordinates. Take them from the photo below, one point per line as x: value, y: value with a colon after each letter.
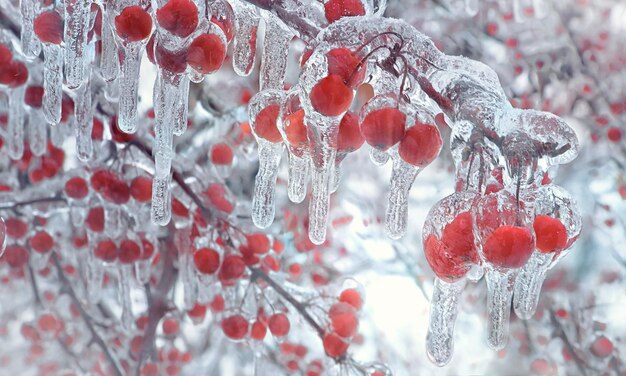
x: 402, y: 177
x: 31, y: 47
x: 142, y: 271
x: 182, y: 107
x: 109, y: 62
x: 95, y: 276
x: 275, y: 51
x: 83, y: 121
x: 113, y: 221
x: 129, y: 84
x: 263, y: 206
x: 244, y: 46
x: 298, y: 175
x: 378, y: 157
x: 528, y: 284
x: 499, y: 294
x: 77, y: 17
x: 57, y: 135
x: 167, y: 91
x: 161, y: 211
x: 37, y: 133
x: 186, y: 267
x: 125, y: 273
x: 15, y: 137
x: 52, y: 82
x: 444, y: 307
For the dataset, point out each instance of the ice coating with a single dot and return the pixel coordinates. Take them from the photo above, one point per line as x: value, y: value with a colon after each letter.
x: 443, y: 311
x: 77, y: 21
x: 52, y: 82
x: 274, y: 54
x: 83, y: 116
x: 15, y: 129
x: 554, y: 202
x: 31, y: 47
x: 244, y: 44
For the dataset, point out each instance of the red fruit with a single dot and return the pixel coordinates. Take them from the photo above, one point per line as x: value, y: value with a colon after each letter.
x: 76, y: 188
x: 110, y: 187
x: 225, y: 23
x: 217, y: 305
x: 336, y: 9
x: 197, y: 312
x: 106, y: 250
x: 458, y: 236
x: 351, y: 297
x: 147, y: 249
x: 16, y: 228
x: 420, y: 145
x: 614, y: 134
x: 221, y: 154
x: 179, y: 17
x: 48, y: 27
x: 48, y: 323
x: 207, y: 260
x: 95, y: 219
x: 383, y: 128
x: 206, y: 53
x: 13, y: 74
x: 602, y: 347
x: 173, y: 61
x: 133, y: 24
x: 15, y: 255
x: 129, y: 251
x: 279, y: 325
x: 551, y: 234
x: 265, y: 124
x: 34, y: 96
x: 235, y: 327
x: 509, y: 246
x: 5, y: 55
x: 343, y: 320
x: 170, y: 327
x: 259, y: 243
x: 445, y: 265
x: 232, y: 268
x: 258, y: 331
x: 141, y: 189
x: 334, y: 345
x: 97, y: 130
x: 41, y: 242
x: 330, y: 96
x: 349, y: 138
x: 295, y: 130
x: 343, y: 62
x: 215, y: 193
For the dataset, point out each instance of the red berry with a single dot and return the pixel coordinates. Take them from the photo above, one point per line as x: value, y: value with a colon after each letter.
x: 215, y: 192
x: 349, y: 137
x: 141, y: 188
x: 133, y: 24
x: 41, y: 242
x: 334, y: 345
x: 458, y: 236
x: 343, y: 320
x: 217, y: 305
x: 614, y: 134
x: 16, y: 228
x: 259, y: 243
x: 383, y: 128
x: 343, y: 62
x: 330, y: 96
x: 15, y: 255
x: 551, y: 234
x: 147, y: 249
x: 5, y: 55
x: 441, y: 261
x: 173, y: 61
x: 279, y: 325
x: 48, y: 27
x: 602, y: 347
x: 225, y: 23
x: 258, y: 331
x: 106, y: 250
x: 34, y: 96
x: 206, y: 53
x: 76, y: 188
x: 170, y: 327
x: 207, y: 260
x: 295, y: 130
x: 352, y: 297
x: 179, y: 17
x: 95, y: 219
x: 265, y: 124
x: 129, y: 251
x: 14, y: 74
x: 509, y: 246
x: 420, y: 145
x: 235, y: 327
x: 336, y: 9
x: 221, y: 154
x: 110, y: 187
x: 232, y: 268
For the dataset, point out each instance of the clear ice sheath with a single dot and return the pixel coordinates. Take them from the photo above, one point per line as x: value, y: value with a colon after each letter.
x: 161, y: 211
x: 57, y: 136
x: 528, y: 284
x: 83, y: 121
x: 37, y: 133
x: 16, y: 122
x: 244, y: 44
x: 263, y: 205
x: 378, y: 157
x: 125, y: 275
x: 52, y: 82
x: 129, y: 84
x: 31, y: 46
x: 298, y: 175
x: 499, y: 294
x: 319, y: 203
x: 109, y: 62
x: 275, y: 51
x: 444, y: 307
x: 77, y: 17
x: 182, y: 107
x: 165, y: 102
x: 402, y: 177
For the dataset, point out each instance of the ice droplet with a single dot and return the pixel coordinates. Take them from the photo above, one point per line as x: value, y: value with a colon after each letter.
x: 528, y: 284
x: 52, y: 82
x: 499, y: 294
x: 298, y: 176
x: 402, y: 177
x: 161, y: 209
x: 444, y: 307
x: 378, y: 157
x: 77, y: 17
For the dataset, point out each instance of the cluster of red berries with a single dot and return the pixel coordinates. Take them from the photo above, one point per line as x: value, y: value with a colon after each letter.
x: 344, y: 322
